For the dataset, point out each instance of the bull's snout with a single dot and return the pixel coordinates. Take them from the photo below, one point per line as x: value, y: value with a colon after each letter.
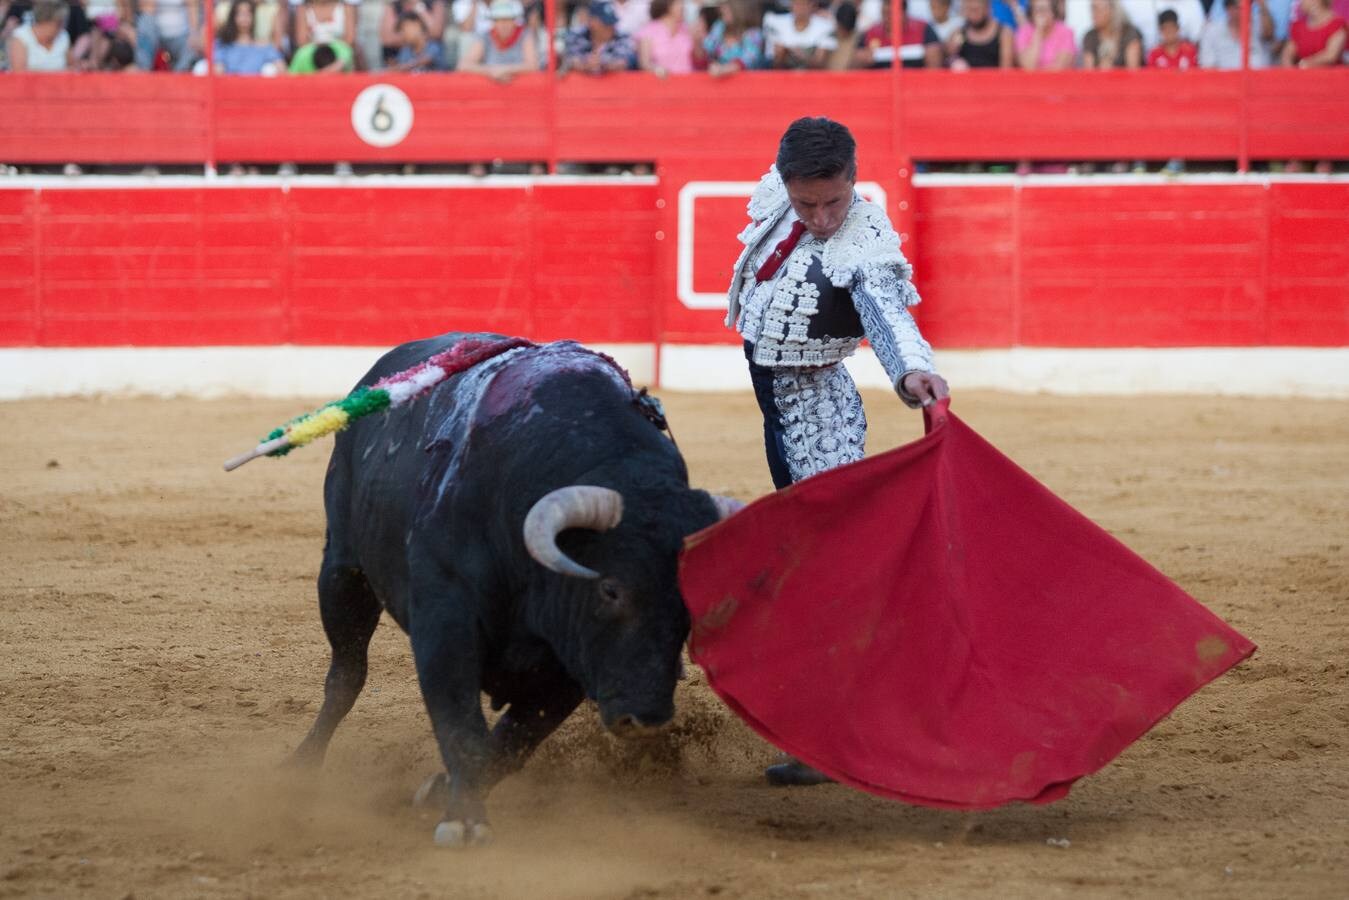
x: 630, y: 726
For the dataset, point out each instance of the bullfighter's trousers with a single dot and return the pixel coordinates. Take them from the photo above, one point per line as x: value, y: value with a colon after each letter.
x: 812, y: 418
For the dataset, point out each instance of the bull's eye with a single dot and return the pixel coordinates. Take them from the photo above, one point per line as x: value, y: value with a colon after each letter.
x: 611, y: 593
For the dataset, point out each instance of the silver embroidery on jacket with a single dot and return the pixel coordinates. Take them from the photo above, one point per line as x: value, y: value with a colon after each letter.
x: 823, y: 422
x: 863, y: 256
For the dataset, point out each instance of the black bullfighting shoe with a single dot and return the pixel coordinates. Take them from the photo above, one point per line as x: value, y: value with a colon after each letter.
x: 794, y: 773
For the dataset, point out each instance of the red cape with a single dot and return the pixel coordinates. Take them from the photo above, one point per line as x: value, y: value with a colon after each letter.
x: 933, y: 625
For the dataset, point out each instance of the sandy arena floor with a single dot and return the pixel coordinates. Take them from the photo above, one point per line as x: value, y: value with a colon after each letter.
x: 160, y: 653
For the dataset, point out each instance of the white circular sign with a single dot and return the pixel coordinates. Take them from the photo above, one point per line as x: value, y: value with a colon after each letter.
x: 381, y: 115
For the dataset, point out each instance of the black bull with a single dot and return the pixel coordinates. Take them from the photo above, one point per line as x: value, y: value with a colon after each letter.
x: 521, y: 522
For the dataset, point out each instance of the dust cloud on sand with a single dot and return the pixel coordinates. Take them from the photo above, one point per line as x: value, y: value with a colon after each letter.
x: 161, y: 653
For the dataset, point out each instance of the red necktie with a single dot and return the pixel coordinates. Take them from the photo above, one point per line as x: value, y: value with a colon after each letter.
x: 781, y: 252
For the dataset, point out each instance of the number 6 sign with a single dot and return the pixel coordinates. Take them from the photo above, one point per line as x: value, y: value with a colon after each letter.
x: 381, y: 115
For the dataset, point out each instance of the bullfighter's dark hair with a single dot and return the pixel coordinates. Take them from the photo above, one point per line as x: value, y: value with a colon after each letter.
x: 817, y: 148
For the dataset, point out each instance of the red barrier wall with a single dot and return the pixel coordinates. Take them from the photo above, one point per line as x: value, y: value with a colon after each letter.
x: 1146, y: 114
x: 201, y: 266
x: 1000, y: 264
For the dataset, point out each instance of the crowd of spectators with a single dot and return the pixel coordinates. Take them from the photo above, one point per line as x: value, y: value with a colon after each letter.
x: 503, y: 38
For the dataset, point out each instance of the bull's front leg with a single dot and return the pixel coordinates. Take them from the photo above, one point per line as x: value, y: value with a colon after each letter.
x: 534, y: 714
x: 446, y: 653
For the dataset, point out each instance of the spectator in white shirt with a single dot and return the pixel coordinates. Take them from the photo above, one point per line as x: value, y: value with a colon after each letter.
x: 799, y: 39
x: 1220, y: 44
x: 42, y: 45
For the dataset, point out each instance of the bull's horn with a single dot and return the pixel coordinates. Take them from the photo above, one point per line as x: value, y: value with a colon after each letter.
x: 578, y: 506
x: 726, y: 506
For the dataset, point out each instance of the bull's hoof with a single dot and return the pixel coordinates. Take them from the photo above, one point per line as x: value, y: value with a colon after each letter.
x: 435, y: 791
x: 463, y: 834
x: 794, y: 773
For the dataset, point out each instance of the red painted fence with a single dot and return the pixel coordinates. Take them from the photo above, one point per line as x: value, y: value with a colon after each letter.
x: 937, y: 115
x: 1006, y: 263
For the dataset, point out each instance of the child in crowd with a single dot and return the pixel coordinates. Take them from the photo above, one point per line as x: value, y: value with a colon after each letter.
x: 431, y: 12
x: 1171, y: 52
x: 417, y: 53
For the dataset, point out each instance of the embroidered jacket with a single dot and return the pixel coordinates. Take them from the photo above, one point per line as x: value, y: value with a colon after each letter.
x: 828, y: 295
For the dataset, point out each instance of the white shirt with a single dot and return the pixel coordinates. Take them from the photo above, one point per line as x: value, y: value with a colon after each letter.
x: 40, y: 59
x: 922, y: 9
x: 460, y: 10
x: 171, y: 17
x: 632, y: 15
x: 780, y: 31
x: 1219, y: 48
x: 869, y: 13
x: 949, y: 27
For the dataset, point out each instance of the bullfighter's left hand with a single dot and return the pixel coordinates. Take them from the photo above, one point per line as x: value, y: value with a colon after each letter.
x: 926, y: 387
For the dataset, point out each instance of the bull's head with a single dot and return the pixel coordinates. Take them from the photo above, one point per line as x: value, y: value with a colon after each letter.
x: 628, y: 647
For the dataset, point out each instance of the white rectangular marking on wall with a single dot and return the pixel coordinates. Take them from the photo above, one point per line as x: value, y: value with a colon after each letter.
x: 688, y: 195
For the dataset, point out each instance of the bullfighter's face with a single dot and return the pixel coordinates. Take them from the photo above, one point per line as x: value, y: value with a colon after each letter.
x: 822, y: 203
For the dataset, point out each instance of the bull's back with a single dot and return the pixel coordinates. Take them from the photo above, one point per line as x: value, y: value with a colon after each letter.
x: 468, y: 457
x: 367, y: 495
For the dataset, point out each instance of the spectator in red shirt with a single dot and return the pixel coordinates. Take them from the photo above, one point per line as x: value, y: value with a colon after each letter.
x: 919, y: 46
x: 1317, y: 39
x: 1171, y: 52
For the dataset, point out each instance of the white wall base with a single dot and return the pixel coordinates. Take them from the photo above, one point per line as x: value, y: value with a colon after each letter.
x: 1241, y: 371
x: 288, y: 371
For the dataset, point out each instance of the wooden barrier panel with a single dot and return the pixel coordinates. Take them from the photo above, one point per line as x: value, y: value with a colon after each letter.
x: 88, y: 118
x: 191, y: 266
x: 461, y: 118
x: 1025, y: 262
x: 1144, y: 114
x: 1008, y: 262
x: 1292, y: 117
